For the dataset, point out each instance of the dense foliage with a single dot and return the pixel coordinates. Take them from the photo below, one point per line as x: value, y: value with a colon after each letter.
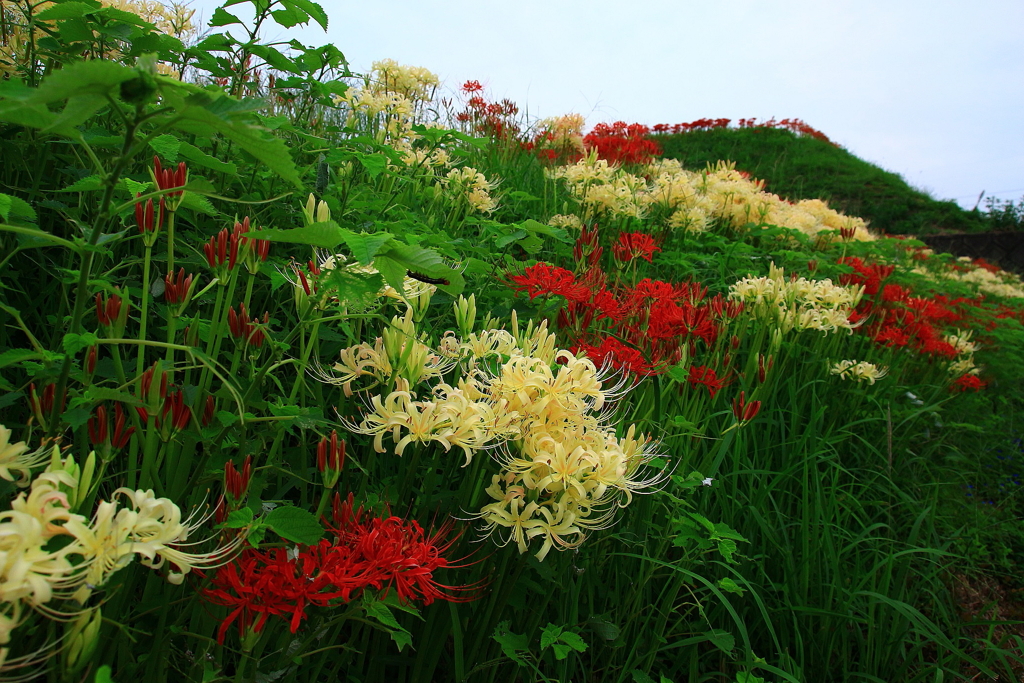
x: 311, y: 375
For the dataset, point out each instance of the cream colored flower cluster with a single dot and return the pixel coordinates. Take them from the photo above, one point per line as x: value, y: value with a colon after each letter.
x: 34, y: 571
x: 563, y: 472
x: 799, y: 303
x: 859, y: 371
x: 1002, y: 283
x: 689, y: 201
x: 963, y: 364
x: 467, y: 186
x: 564, y: 134
x: 601, y: 189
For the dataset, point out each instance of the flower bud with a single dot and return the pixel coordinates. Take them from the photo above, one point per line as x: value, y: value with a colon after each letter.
x: 465, y: 314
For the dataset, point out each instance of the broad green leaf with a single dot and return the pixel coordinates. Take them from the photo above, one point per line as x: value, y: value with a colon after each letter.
x: 96, y: 394
x: 294, y: 524
x: 365, y: 246
x: 574, y: 640
x: 561, y: 651
x: 381, y: 612
x: 95, y: 77
x: 290, y: 16
x: 312, y: 9
x: 511, y: 643
x: 206, y: 114
x: 239, y: 519
x: 13, y: 356
x: 605, y: 630
x: 723, y: 640
x: 78, y: 110
x: 401, y: 638
x: 166, y: 146
x: 508, y: 239
x: 103, y: 675
x: 222, y: 18
x: 76, y: 417
x: 274, y: 58
x: 198, y: 203
x: 549, y: 636
x: 327, y: 235
x: 86, y: 184
x: 5, y: 206
x: 68, y: 10
x: 730, y: 586
x: 392, y: 271
x: 416, y: 258
x: 640, y: 677
x: 74, y: 343
x: 198, y: 157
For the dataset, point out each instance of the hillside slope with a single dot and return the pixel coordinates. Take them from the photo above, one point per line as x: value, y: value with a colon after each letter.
x: 802, y: 167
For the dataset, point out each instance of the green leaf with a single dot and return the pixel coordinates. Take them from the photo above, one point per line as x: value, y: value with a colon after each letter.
x: 103, y: 675
x: 134, y: 187
x: 549, y: 636
x: 198, y: 203
x: 365, y: 246
x: 730, y: 586
x: 67, y: 10
x: 14, y: 356
x: 74, y: 343
x: 166, y: 146
x: 640, y: 677
x: 6, y: 201
x: 539, y: 228
x: 239, y: 519
x: 723, y: 640
x: 206, y: 113
x: 274, y: 58
x: 561, y: 651
x: 327, y: 235
x: 294, y: 524
x: 76, y: 417
x: 416, y: 258
x: 97, y: 394
x: 222, y: 18
x: 381, y: 612
x: 87, y: 184
x: 94, y: 77
x: 574, y: 640
x: 290, y: 16
x: 511, y: 643
x: 312, y: 9
x: 198, y: 157
x: 605, y: 630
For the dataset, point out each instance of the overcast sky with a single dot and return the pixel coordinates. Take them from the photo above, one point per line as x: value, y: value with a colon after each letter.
x: 928, y: 89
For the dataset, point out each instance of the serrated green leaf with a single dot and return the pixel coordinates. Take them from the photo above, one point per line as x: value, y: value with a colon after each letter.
x: 76, y: 417
x: 549, y: 636
x: 727, y: 548
x: 166, y: 146
x: 198, y: 203
x: 222, y: 18
x: 365, y: 246
x: 392, y: 272
x: 87, y: 184
x: 93, y: 77
x: 640, y: 677
x: 67, y: 10
x: 605, y: 630
x: 511, y: 643
x: 730, y: 586
x: 5, y: 206
x: 416, y: 258
x: 239, y: 519
x: 275, y: 58
x: 134, y: 187
x: 574, y: 640
x: 74, y: 343
x: 401, y: 638
x: 78, y: 110
x: 381, y: 612
x: 197, y: 156
x: 315, y: 11
x: 227, y: 419
x: 205, y: 114
x: 327, y: 235
x: 561, y: 651
x: 294, y: 524
x: 12, y: 356
x: 290, y: 16
x: 723, y: 640
x: 103, y: 675
x: 508, y: 239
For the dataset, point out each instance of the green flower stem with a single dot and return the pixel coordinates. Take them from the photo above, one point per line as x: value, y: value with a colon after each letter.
x: 140, y: 363
x: 170, y: 242
x: 103, y: 217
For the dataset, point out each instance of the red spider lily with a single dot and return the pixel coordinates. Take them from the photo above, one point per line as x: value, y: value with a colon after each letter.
x: 144, y: 219
x: 745, y: 412
x: 236, y: 483
x: 90, y: 361
x: 764, y: 368
x: 471, y: 86
x: 167, y: 179
x: 177, y: 289
x: 208, y: 409
x: 543, y: 278
x: 633, y: 245
x: 967, y: 383
x: 256, y: 250
x: 701, y: 374
x: 622, y: 143
x: 98, y: 427
x: 112, y: 312
x: 249, y: 331
x: 222, y: 251
x: 42, y: 404
x: 616, y: 354
x: 365, y: 552
x: 330, y: 458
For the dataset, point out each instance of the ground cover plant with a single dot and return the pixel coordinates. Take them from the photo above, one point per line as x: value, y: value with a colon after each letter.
x: 312, y: 375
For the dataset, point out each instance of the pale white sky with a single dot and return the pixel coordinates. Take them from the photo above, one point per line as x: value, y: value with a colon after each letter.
x: 928, y: 89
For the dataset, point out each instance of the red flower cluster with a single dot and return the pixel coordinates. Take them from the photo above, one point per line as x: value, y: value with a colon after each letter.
x: 633, y: 245
x: 794, y: 125
x: 648, y: 325
x: 967, y: 383
x: 622, y: 143
x: 363, y: 552
x: 496, y: 120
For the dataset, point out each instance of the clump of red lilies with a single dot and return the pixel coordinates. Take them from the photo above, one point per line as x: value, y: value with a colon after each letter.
x: 642, y: 329
x: 361, y: 551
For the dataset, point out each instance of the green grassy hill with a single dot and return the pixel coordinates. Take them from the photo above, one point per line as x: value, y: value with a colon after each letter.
x: 801, y: 167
